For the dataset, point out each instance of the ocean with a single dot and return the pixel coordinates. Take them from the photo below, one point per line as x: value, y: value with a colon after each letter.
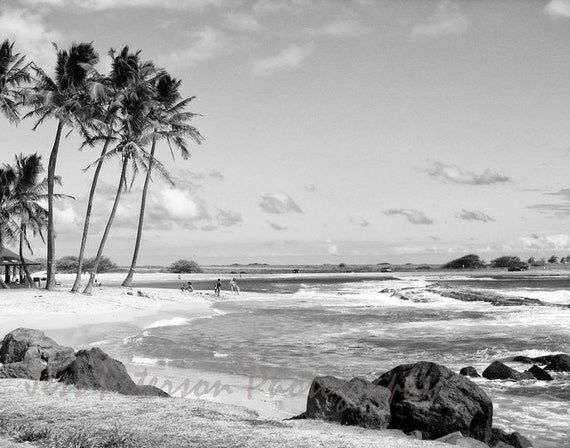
x: 271, y: 342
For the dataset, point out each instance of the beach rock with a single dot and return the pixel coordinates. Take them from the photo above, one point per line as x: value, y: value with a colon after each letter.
x: 558, y: 363
x: 25, y: 345
x: 469, y: 371
x: 432, y: 399
x: 523, y: 359
x: 31, y: 370
x: 501, y: 439
x: 457, y: 439
x: 94, y: 369
x: 499, y: 371
x: 540, y: 374
x: 356, y: 402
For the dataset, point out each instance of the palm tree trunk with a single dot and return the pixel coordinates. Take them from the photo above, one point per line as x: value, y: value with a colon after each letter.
x: 93, y: 273
x: 22, y: 259
x: 129, y: 280
x: 77, y: 282
x: 3, y: 284
x: 50, y: 227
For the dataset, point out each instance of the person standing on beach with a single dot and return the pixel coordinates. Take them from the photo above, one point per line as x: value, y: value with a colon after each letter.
x: 234, y: 286
x: 217, y: 287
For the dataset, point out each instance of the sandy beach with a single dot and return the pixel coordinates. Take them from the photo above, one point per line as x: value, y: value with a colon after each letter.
x: 74, y: 319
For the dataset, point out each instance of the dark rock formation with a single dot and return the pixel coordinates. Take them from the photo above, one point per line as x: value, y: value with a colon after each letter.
x: 457, y: 439
x: 355, y: 402
x: 469, y: 371
x: 558, y: 363
x: 499, y: 371
x: 502, y: 439
x: 540, y: 374
x: 523, y: 359
x: 24, y: 350
x: 434, y: 400
x: 94, y: 369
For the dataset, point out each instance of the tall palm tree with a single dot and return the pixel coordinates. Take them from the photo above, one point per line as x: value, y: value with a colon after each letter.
x: 7, y: 229
x: 124, y: 73
x: 170, y: 122
x: 66, y: 98
x: 133, y: 133
x: 27, y: 192
x: 13, y: 73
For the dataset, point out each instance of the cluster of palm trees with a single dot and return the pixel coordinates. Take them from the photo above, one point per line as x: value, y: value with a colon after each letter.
x: 126, y: 112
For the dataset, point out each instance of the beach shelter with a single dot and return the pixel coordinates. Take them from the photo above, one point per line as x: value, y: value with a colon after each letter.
x: 10, y: 262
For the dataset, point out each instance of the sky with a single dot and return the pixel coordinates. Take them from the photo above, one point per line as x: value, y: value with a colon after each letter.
x: 339, y: 131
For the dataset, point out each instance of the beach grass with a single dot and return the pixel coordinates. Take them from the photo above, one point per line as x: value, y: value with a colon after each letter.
x: 45, y: 415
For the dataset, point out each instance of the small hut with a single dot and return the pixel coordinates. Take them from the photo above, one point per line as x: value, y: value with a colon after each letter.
x: 13, y: 267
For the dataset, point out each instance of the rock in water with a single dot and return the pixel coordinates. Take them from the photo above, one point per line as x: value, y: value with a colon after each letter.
x: 499, y: 371
x: 558, y: 363
x: 436, y: 401
x: 24, y: 350
x: 469, y: 371
x: 540, y: 374
x: 94, y: 369
x: 514, y: 439
x: 355, y: 402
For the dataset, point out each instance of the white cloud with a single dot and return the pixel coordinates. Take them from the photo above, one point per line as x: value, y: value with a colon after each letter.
x: 66, y: 218
x: 412, y: 215
x: 558, y: 8
x: 456, y: 175
x: 276, y: 226
x: 31, y: 35
x: 279, y: 203
x: 228, y: 218
x: 447, y: 19
x: 290, y: 58
x: 279, y: 6
x: 194, y: 5
x: 204, y: 44
x: 242, y: 22
x: 468, y: 215
x: 341, y: 28
x: 535, y: 242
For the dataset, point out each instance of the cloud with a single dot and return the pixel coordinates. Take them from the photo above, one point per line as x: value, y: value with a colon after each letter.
x: 66, y: 218
x: 561, y: 209
x: 446, y: 20
x: 468, y: 215
x: 205, y: 43
x: 263, y: 7
x: 456, y: 175
x: 228, y: 218
x: 238, y: 21
x: 276, y: 226
x: 339, y: 28
x: 564, y: 193
x: 535, y: 242
x: 193, y: 5
x: 558, y: 8
x: 32, y: 36
x: 172, y: 207
x: 414, y: 216
x: 290, y: 58
x: 279, y: 203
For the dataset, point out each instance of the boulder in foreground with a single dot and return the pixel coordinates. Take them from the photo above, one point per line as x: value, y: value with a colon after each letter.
x: 540, y: 374
x: 94, y: 369
x: 502, y: 439
x: 457, y: 439
x: 469, y: 371
x: 24, y: 351
x: 434, y: 400
x: 356, y: 402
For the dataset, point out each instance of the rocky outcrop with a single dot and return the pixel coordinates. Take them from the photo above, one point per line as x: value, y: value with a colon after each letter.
x: 540, y: 374
x: 499, y: 371
x: 94, y: 369
x: 432, y: 399
x: 457, y: 439
x: 24, y: 351
x: 558, y: 363
x: 502, y: 439
x: 469, y: 371
x: 356, y: 402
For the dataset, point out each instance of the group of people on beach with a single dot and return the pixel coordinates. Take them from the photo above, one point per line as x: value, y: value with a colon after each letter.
x: 217, y: 287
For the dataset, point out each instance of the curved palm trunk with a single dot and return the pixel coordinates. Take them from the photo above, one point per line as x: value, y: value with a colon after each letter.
x: 22, y: 259
x: 77, y: 282
x: 93, y: 273
x: 129, y: 280
x: 50, y: 228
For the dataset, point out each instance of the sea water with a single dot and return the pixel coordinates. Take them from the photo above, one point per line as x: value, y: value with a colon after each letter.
x: 285, y: 332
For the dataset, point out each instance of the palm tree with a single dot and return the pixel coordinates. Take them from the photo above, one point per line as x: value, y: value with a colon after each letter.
x: 27, y: 192
x: 133, y: 133
x: 67, y: 99
x: 7, y: 229
x: 170, y: 122
x: 13, y: 73
x: 124, y: 74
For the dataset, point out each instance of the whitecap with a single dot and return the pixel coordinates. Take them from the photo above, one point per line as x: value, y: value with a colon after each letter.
x: 173, y: 322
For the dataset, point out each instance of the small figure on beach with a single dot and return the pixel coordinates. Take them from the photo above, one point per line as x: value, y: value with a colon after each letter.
x: 234, y: 286
x: 187, y: 287
x: 217, y: 287
x: 97, y: 283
